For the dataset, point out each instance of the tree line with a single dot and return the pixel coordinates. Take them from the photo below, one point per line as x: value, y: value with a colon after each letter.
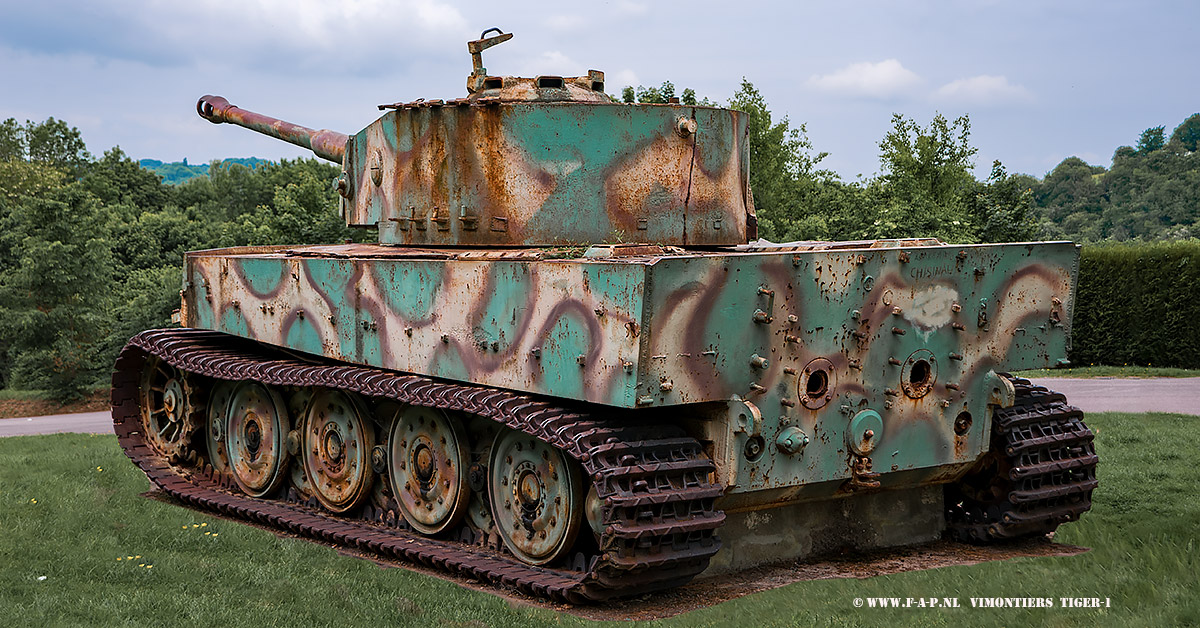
x: 91, y: 248
x: 926, y: 185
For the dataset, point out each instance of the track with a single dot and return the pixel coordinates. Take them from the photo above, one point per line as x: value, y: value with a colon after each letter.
x: 657, y: 501
x: 1040, y: 472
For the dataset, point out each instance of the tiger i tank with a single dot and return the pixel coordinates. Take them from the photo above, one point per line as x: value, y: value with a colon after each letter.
x: 569, y: 366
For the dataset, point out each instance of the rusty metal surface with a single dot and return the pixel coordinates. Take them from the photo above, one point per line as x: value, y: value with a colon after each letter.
x: 324, y: 143
x: 550, y: 173
x: 658, y: 516
x: 808, y: 338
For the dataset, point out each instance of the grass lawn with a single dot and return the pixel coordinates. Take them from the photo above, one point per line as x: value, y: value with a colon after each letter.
x: 70, y: 508
x: 1111, y: 371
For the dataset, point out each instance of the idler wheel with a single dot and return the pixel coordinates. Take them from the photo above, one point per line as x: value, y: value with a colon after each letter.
x: 336, y: 450
x: 167, y: 408
x: 256, y: 428
x: 429, y: 467
x: 537, y: 497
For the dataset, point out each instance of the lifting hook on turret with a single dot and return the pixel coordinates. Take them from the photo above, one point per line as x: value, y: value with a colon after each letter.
x: 476, y: 49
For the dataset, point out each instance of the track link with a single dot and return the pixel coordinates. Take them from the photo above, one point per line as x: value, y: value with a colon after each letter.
x: 657, y: 500
x: 1039, y: 473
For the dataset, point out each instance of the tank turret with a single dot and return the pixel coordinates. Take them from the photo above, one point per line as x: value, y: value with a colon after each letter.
x: 540, y: 161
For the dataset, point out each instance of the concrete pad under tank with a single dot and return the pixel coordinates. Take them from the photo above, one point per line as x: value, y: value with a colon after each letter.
x: 811, y: 529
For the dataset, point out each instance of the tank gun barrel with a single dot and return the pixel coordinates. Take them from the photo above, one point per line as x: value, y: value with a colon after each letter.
x: 324, y: 143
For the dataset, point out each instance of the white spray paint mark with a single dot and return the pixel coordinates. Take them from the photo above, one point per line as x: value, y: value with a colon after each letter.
x: 931, y: 308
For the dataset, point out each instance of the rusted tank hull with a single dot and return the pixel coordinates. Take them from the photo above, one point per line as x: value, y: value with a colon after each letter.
x: 807, y: 369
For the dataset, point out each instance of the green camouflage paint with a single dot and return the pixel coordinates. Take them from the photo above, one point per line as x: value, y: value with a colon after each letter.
x: 717, y: 335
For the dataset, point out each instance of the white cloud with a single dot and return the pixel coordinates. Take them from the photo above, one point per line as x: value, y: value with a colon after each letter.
x: 620, y: 79
x: 316, y: 24
x: 278, y: 34
x: 984, y: 89
x: 551, y: 63
x: 886, y: 79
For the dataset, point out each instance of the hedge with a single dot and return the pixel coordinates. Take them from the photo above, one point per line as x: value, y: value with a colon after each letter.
x: 1138, y: 304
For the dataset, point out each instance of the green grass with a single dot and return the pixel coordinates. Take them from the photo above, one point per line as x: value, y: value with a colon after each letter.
x: 9, y: 394
x: 25, y: 395
x: 1111, y: 371
x: 1145, y: 531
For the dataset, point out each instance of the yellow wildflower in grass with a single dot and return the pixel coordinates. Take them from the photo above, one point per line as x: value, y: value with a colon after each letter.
x: 138, y: 556
x: 214, y: 533
x: 33, y: 501
x: 204, y: 525
x: 99, y: 469
x: 149, y: 566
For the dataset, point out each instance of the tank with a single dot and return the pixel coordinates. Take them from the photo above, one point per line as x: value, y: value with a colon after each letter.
x: 570, y: 367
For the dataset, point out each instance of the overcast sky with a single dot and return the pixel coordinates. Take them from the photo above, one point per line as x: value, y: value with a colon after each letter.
x: 1041, y: 80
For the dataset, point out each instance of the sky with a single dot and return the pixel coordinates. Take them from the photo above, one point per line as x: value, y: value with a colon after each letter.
x: 1041, y: 80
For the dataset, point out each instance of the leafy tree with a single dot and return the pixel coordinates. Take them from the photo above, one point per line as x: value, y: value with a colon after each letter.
x: 53, y: 301
x: 117, y: 179
x: 149, y: 239
x: 925, y: 182
x: 12, y: 141
x: 661, y: 95
x: 1073, y: 188
x: 51, y: 142
x: 1152, y: 139
x: 1188, y: 133
x: 1001, y: 209
x: 783, y: 171
x: 656, y: 95
x: 302, y: 210
x: 21, y: 178
x: 229, y: 191
x: 145, y: 300
x: 1149, y: 192
x: 933, y: 162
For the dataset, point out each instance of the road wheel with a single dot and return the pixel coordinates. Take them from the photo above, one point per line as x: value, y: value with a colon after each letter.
x: 256, y: 429
x: 337, y: 447
x: 537, y: 497
x: 428, y: 466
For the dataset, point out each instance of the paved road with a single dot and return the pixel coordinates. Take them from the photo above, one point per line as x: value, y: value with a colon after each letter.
x: 1100, y: 394
x: 1111, y: 394
x: 84, y: 422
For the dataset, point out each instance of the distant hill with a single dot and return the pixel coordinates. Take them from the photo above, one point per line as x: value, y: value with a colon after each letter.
x: 176, y: 172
